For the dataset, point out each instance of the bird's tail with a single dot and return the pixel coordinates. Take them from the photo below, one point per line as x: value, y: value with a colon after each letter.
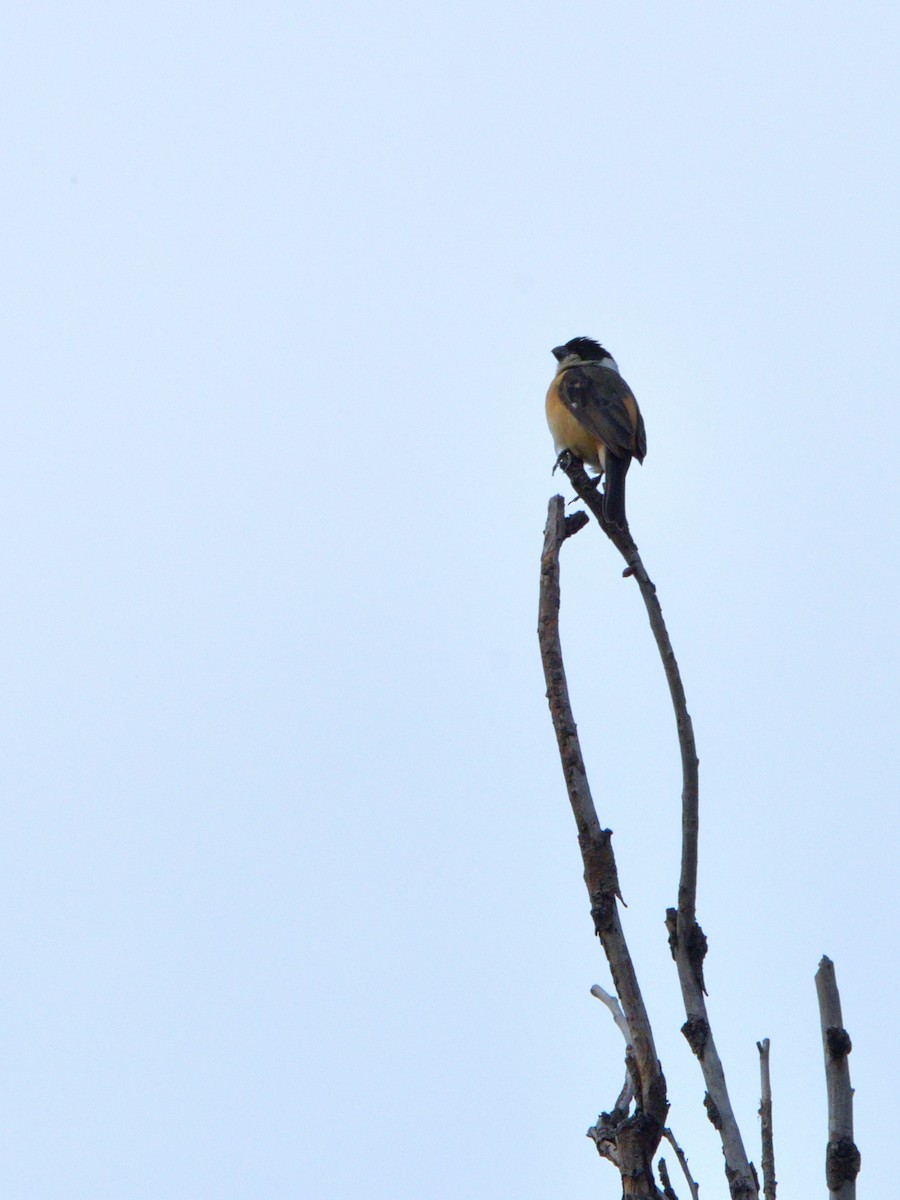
x: 616, y: 469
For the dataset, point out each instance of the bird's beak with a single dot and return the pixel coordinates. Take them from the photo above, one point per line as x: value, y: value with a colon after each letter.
x: 559, y: 353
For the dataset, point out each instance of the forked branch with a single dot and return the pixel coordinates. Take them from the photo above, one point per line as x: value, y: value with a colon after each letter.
x: 685, y: 935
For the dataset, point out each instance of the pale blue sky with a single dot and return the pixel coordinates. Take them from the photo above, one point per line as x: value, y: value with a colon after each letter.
x: 292, y: 894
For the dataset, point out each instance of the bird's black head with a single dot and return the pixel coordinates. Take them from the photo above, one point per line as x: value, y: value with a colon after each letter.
x: 586, y: 348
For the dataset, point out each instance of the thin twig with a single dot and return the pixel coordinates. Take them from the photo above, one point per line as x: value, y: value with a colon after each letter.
x: 686, y: 937
x: 765, y: 1116
x: 842, y: 1159
x: 638, y: 1135
x: 683, y: 1162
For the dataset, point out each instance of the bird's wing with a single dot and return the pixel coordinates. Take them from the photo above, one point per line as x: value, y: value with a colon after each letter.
x: 600, y: 400
x: 640, y: 437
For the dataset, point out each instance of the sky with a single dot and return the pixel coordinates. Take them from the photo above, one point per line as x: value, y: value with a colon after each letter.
x: 292, y: 900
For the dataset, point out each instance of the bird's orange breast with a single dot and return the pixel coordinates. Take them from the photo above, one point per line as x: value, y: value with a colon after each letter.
x: 568, y: 434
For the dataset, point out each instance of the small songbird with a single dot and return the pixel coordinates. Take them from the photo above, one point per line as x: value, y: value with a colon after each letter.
x: 592, y: 412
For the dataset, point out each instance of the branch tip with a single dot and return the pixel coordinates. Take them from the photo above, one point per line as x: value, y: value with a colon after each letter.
x: 765, y: 1117
x: 574, y: 522
x: 842, y: 1158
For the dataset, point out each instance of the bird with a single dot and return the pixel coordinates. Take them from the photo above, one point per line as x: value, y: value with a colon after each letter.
x: 592, y: 413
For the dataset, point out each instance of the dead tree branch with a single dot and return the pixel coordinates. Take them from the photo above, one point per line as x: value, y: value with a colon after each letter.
x: 604, y: 1133
x: 842, y: 1158
x: 683, y: 1162
x: 628, y: 1088
x: 667, y: 1189
x: 765, y: 1116
x: 685, y: 935
x: 635, y: 1137
x: 615, y: 1010
x: 619, y: 1017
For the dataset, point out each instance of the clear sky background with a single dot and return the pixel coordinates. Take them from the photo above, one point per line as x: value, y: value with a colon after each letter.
x: 292, y: 901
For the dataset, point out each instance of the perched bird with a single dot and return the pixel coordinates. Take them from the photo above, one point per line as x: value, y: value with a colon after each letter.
x: 592, y: 412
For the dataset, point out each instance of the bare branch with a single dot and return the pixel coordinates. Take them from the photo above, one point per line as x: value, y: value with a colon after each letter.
x: 842, y: 1158
x: 765, y: 1116
x: 625, y: 544
x: 616, y: 1009
x: 668, y: 1190
x: 638, y: 1136
x: 682, y: 1159
x: 627, y: 1093
x: 685, y: 935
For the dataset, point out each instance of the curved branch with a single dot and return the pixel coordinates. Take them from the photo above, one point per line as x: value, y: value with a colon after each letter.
x: 685, y: 935
x: 690, y: 794
x: 615, y: 1009
x: 639, y: 1135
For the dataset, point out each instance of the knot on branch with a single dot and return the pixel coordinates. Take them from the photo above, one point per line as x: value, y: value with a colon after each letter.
x: 630, y: 1143
x: 842, y: 1163
x: 838, y: 1042
x: 672, y: 929
x: 604, y: 1134
x: 739, y: 1186
x: 606, y: 1131
x: 697, y: 947
x: 600, y: 876
x: 603, y: 905
x: 712, y: 1111
x: 696, y: 1031
x: 697, y: 944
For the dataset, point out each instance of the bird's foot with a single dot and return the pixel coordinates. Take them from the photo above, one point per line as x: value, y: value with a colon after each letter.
x: 564, y: 459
